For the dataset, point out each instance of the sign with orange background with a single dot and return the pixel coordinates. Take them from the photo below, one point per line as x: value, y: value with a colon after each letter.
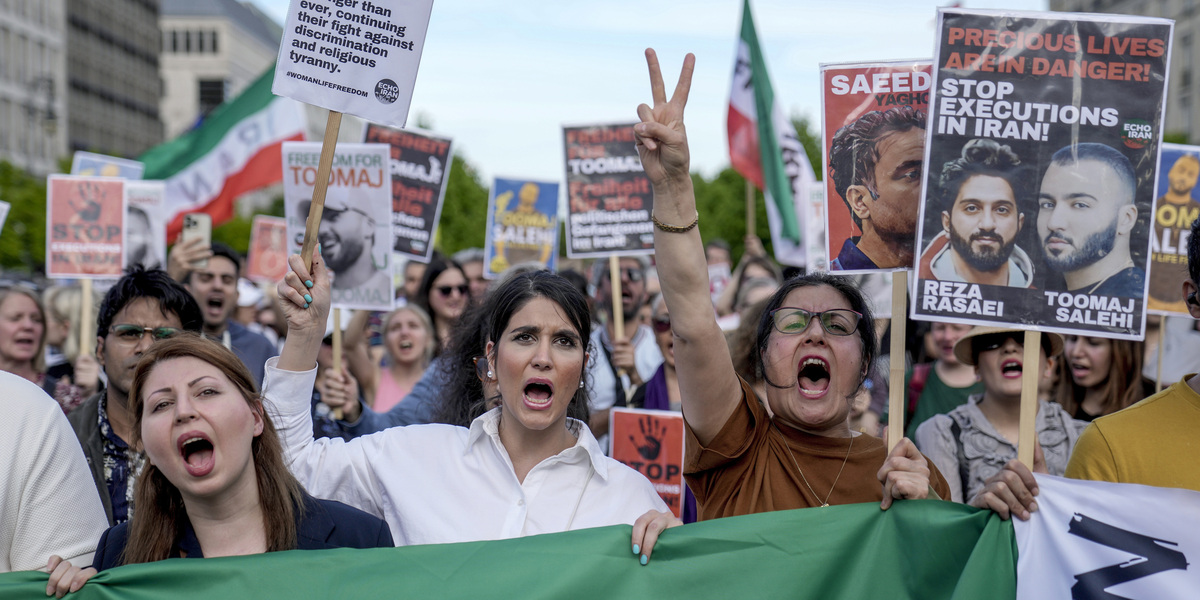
x: 651, y: 443
x: 267, y: 258
x: 85, y: 221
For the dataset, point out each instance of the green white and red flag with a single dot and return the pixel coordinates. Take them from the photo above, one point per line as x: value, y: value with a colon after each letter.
x: 764, y: 147
x: 236, y: 150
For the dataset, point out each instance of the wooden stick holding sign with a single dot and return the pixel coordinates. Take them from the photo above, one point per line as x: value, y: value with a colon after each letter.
x: 1031, y: 364
x: 1162, y: 346
x: 313, y: 225
x: 895, y: 426
x: 750, y: 225
x: 87, y: 335
x: 614, y: 276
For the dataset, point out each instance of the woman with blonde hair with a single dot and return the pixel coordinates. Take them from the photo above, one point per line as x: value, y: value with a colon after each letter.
x: 22, y: 333
x: 72, y: 376
x: 410, y: 341
x: 215, y: 481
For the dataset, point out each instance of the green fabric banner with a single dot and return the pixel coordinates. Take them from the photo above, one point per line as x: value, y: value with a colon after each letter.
x: 925, y: 549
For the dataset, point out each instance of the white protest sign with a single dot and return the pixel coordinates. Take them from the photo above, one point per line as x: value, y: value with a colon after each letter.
x: 353, y: 56
x: 145, y: 224
x: 4, y: 206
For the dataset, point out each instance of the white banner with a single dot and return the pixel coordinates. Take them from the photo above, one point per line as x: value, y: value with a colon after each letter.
x: 145, y: 224
x: 1093, y: 540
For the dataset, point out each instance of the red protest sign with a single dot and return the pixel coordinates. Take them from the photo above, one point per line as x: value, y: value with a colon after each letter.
x: 85, y: 218
x: 651, y: 442
x: 267, y: 258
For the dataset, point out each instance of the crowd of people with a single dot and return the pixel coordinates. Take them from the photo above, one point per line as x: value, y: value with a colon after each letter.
x: 208, y: 419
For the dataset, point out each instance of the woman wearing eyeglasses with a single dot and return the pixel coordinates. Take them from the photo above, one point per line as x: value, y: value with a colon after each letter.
x: 974, y: 442
x: 444, y: 293
x: 815, y: 345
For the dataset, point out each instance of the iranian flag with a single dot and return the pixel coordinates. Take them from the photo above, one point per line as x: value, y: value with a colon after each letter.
x: 767, y: 150
x: 236, y: 150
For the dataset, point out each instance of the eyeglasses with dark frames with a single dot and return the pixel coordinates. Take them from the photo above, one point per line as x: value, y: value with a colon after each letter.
x: 836, y: 321
x: 132, y: 334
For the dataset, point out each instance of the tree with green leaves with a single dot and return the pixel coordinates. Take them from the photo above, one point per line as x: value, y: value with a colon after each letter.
x: 23, y: 239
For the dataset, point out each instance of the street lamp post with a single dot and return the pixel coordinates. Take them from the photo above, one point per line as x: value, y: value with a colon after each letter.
x: 46, y: 116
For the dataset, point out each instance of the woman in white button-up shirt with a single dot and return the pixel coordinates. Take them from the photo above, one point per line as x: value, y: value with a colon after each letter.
x: 520, y: 469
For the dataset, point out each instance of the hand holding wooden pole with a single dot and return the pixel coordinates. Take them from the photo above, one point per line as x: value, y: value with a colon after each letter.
x: 313, y: 225
x: 87, y: 334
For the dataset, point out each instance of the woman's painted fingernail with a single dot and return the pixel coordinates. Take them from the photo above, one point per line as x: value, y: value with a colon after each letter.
x: 305, y: 305
x: 637, y: 549
x: 644, y: 560
x: 307, y: 299
x: 308, y: 283
x: 318, y: 248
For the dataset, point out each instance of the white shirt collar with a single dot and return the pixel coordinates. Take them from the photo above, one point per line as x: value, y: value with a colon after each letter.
x: 488, y: 424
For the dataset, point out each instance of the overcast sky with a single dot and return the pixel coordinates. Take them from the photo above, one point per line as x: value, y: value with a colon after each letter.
x: 502, y: 78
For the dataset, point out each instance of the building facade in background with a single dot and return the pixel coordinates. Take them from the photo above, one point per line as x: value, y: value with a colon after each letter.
x: 33, y: 84
x: 112, y: 75
x: 1183, y: 106
x: 211, y: 51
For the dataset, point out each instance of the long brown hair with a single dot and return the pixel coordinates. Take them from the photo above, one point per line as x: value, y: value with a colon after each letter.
x: 1122, y: 388
x: 159, y: 516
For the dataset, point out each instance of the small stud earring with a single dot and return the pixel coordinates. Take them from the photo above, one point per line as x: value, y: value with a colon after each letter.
x: 490, y: 374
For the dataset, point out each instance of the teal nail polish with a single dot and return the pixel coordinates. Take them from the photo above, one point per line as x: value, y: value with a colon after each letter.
x: 637, y: 549
x: 305, y: 305
x: 308, y: 283
x: 307, y: 298
x: 318, y: 248
x: 644, y: 560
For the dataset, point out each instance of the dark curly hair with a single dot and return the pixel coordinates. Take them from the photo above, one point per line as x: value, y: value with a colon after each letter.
x: 852, y: 155
x: 983, y: 157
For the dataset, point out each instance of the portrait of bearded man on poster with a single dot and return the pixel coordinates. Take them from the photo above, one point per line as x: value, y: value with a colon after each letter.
x: 876, y: 164
x: 1086, y: 217
x: 982, y: 193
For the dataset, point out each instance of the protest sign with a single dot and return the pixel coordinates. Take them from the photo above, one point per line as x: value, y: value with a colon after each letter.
x: 355, y: 236
x: 420, y: 167
x: 1093, y: 539
x: 651, y: 443
x: 873, y: 142
x: 85, y: 218
x: 609, y: 200
x: 4, y: 206
x: 522, y: 225
x: 90, y: 164
x: 1062, y: 115
x: 353, y: 57
x: 267, y: 258
x: 145, y: 224
x: 1174, y: 212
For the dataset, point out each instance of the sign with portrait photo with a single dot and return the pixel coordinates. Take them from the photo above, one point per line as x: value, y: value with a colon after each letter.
x: 266, y: 260
x: 874, y: 145
x: 353, y: 57
x: 651, y: 443
x: 522, y: 225
x: 1040, y: 171
x: 145, y: 225
x: 355, y: 233
x: 419, y: 165
x: 609, y: 200
x: 85, y: 223
x: 1174, y: 212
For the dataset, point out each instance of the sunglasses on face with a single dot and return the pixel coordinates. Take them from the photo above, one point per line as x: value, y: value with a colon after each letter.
x: 987, y: 343
x: 632, y: 274
x: 661, y: 324
x: 132, y: 334
x: 447, y: 290
x: 837, y: 321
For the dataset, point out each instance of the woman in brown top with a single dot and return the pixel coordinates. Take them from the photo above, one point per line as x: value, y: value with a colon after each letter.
x: 815, y: 344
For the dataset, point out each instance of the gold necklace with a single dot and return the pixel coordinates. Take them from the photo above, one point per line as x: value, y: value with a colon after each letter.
x: 788, y: 447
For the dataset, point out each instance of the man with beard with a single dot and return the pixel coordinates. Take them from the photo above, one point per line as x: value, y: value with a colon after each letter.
x: 142, y: 307
x: 347, y: 236
x: 1085, y: 219
x: 980, y: 226
x: 618, y: 365
x: 876, y: 164
x: 215, y: 289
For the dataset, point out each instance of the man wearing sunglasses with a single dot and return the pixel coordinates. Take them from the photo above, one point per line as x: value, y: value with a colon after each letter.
x: 142, y: 307
x: 618, y: 365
